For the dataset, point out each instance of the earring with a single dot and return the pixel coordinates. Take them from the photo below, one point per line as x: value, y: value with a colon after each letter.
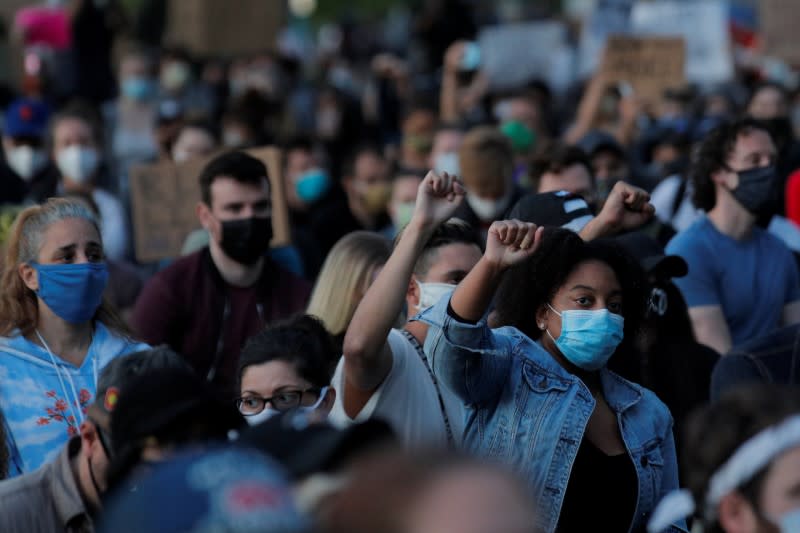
x: 541, y: 327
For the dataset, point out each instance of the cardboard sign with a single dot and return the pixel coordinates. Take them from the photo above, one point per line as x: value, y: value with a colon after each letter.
x: 780, y: 20
x: 164, y: 196
x: 704, y: 26
x: 649, y: 64
x: 225, y: 28
x: 514, y: 54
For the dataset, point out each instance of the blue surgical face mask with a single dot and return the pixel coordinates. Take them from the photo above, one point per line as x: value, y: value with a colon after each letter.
x: 72, y: 291
x: 312, y: 185
x: 138, y: 89
x: 788, y: 522
x: 588, y: 338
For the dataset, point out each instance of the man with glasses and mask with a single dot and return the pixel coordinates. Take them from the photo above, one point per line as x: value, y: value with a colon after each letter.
x: 66, y: 494
x: 205, y: 305
x: 742, y: 281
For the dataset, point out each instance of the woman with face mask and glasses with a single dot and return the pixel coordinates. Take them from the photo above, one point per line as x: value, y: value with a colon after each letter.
x: 287, y: 366
x: 57, y: 334
x: 596, y: 449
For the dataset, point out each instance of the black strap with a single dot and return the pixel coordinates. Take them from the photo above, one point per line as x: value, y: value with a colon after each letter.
x: 421, y: 352
x: 678, y: 199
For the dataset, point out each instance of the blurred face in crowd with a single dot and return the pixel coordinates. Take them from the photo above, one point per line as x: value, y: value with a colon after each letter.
x: 767, y: 103
x: 778, y: 503
x: 574, y: 178
x: 609, y: 167
x: 328, y: 116
x: 75, y: 151
x: 444, y: 153
x: 404, y: 196
x: 418, y: 130
x: 192, y: 143
x: 25, y: 155
x: 276, y: 387
x: 136, y: 83
x: 298, y: 161
x: 526, y: 111
x: 175, y: 74
x: 369, y: 188
x: 472, y: 499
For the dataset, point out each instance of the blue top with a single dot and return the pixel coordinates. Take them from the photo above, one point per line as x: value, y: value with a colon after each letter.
x: 44, y: 403
x: 751, y: 279
x: 526, y: 410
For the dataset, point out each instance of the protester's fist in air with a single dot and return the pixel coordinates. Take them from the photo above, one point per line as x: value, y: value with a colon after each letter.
x: 438, y: 197
x: 510, y: 242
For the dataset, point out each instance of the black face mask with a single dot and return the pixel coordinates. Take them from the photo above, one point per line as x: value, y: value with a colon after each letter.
x: 757, y: 189
x: 246, y: 240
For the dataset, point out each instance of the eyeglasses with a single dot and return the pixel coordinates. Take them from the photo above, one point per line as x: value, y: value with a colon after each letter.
x: 283, y: 401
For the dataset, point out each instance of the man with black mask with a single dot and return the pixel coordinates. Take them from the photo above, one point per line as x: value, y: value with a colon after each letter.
x: 742, y: 281
x: 205, y: 305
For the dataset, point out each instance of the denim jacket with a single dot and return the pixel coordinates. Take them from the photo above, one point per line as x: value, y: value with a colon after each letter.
x: 525, y: 410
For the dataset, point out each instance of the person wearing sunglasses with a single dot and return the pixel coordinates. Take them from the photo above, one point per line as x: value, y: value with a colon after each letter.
x: 287, y: 366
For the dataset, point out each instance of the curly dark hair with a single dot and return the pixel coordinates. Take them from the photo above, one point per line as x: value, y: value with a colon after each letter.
x: 531, y: 284
x: 716, y: 431
x: 712, y: 155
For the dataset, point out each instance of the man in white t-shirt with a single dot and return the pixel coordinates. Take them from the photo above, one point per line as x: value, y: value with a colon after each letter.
x: 384, y: 372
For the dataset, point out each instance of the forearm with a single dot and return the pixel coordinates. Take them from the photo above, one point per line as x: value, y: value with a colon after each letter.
x: 381, y: 305
x: 448, y: 98
x: 473, y: 295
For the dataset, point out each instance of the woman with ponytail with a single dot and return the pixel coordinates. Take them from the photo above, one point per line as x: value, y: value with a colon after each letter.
x: 56, y: 334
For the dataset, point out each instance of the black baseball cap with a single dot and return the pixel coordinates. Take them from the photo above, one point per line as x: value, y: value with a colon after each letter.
x: 561, y: 209
x: 651, y: 256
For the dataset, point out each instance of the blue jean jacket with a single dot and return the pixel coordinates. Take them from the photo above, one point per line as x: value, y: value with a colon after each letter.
x: 526, y: 410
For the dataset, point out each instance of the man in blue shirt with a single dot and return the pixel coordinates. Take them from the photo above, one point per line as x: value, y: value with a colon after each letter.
x: 742, y: 282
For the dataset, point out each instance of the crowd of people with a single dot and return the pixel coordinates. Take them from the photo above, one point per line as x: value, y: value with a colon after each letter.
x: 516, y: 311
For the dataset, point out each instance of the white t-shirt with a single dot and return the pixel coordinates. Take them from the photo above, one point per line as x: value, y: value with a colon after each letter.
x: 406, y: 399
x: 663, y: 199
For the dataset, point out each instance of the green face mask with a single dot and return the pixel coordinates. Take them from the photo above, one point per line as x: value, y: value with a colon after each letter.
x: 402, y: 214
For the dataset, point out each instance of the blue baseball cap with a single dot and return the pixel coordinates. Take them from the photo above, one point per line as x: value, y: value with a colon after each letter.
x: 26, y: 117
x: 225, y: 489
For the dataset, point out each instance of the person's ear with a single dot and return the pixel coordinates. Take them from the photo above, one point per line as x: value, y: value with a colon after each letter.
x: 725, y: 177
x: 203, y: 213
x: 736, y: 514
x: 29, y: 276
x: 542, y: 317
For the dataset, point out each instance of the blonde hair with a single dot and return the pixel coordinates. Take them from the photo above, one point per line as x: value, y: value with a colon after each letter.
x: 345, y: 277
x: 18, y: 304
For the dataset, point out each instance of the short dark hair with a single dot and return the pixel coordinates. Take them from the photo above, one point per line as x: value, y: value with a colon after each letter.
x: 533, y: 283
x: 301, y: 341
x: 561, y: 157
x: 238, y: 165
x: 716, y: 431
x: 712, y: 155
x: 454, y: 231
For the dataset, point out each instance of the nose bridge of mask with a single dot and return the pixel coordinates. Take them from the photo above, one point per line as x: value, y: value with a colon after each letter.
x: 430, y: 293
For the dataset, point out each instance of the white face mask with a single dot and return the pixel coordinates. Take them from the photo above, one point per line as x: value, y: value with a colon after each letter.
x: 263, y: 416
x: 431, y: 293
x: 181, y: 156
x: 77, y: 163
x: 26, y: 161
x: 232, y: 139
x: 447, y: 162
x: 487, y: 210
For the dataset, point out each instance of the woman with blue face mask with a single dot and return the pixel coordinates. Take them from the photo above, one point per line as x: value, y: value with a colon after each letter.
x: 596, y: 449
x: 287, y: 367
x: 57, y: 334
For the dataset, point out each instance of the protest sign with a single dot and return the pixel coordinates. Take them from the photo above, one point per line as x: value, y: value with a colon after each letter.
x: 225, y: 28
x: 779, y: 22
x: 609, y: 17
x: 514, y: 54
x: 649, y: 64
x: 164, y: 196
x: 704, y: 26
